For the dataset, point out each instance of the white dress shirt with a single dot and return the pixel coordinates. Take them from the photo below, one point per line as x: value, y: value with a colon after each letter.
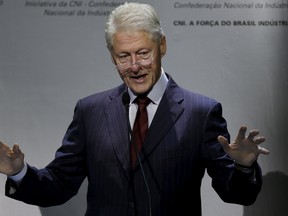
x: 155, y: 95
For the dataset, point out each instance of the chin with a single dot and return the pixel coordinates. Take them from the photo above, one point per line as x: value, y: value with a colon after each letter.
x: 138, y: 91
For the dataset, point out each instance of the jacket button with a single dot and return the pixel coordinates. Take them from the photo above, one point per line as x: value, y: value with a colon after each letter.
x: 131, y: 204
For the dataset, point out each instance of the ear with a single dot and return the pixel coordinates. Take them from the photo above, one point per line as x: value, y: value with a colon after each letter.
x: 163, y: 47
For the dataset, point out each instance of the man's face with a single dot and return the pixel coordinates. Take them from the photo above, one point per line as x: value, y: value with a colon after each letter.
x: 138, y: 59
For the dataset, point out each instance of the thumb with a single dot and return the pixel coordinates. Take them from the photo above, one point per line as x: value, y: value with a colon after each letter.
x: 17, y: 151
x: 224, y: 142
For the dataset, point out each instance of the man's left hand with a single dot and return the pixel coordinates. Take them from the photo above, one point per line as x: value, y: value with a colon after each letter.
x: 245, y: 149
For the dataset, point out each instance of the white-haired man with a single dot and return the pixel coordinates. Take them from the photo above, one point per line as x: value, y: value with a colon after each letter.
x: 161, y: 176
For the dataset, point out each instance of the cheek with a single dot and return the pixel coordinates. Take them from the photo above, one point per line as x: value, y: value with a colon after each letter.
x: 155, y: 74
x: 125, y: 80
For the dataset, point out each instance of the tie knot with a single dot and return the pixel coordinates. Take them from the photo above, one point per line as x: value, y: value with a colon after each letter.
x: 142, y: 101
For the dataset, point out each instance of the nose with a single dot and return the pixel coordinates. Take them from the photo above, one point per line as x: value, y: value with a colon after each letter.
x: 134, y: 64
x: 135, y: 67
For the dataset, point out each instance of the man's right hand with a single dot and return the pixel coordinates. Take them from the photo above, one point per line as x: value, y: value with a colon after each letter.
x: 11, y: 160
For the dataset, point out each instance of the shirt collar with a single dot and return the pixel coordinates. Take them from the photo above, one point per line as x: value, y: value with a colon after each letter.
x: 157, y: 91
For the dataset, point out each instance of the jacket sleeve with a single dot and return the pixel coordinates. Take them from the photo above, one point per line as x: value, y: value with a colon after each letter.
x: 231, y: 184
x: 61, y: 179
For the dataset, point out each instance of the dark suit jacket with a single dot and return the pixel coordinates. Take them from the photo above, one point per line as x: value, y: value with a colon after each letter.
x: 180, y: 145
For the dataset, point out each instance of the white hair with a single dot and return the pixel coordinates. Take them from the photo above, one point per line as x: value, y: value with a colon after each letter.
x: 133, y: 17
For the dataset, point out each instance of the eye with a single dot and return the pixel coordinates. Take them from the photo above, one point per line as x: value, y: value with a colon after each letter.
x: 144, y: 54
x: 123, y: 57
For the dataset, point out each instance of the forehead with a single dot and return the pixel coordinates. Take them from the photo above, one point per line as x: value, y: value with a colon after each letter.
x: 124, y: 41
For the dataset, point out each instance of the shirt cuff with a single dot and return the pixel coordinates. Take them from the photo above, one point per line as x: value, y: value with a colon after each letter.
x: 245, y: 169
x: 19, y: 176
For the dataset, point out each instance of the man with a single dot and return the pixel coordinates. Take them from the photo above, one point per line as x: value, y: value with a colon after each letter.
x: 161, y: 176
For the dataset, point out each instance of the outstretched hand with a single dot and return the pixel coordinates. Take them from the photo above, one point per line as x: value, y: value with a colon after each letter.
x: 245, y: 149
x: 11, y: 160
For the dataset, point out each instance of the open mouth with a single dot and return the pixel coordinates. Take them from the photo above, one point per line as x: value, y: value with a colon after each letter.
x: 138, y: 77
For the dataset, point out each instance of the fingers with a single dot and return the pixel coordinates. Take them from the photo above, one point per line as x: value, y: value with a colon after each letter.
x: 253, y: 137
x: 3, y: 145
x: 13, y: 153
x: 263, y: 151
x: 252, y: 134
x: 16, y: 149
x: 5, y: 150
x: 258, y: 140
x: 10, y: 153
x: 241, y: 133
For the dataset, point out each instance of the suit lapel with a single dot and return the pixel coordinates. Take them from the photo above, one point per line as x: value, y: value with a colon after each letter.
x: 117, y: 126
x: 169, y: 110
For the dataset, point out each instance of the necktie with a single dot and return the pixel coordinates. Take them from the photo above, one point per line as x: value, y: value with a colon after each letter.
x: 140, y: 127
